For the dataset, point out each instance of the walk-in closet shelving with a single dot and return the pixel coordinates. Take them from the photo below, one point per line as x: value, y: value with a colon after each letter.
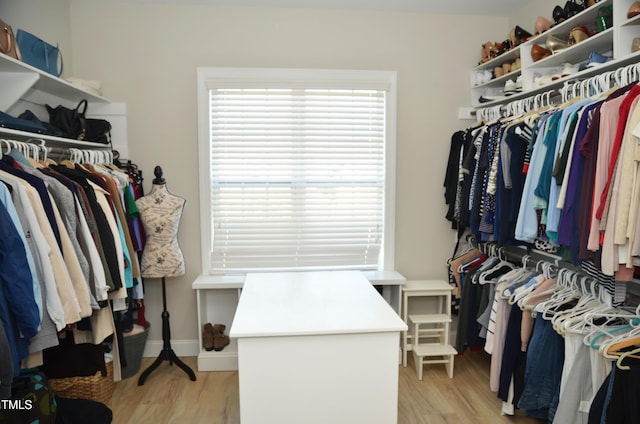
x: 614, y: 42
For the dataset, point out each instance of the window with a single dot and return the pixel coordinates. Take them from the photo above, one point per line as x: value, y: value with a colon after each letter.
x: 296, y: 169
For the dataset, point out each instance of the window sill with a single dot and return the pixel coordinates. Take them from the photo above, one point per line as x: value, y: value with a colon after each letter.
x: 377, y: 278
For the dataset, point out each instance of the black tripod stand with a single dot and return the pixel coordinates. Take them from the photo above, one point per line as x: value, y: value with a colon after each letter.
x: 166, y: 354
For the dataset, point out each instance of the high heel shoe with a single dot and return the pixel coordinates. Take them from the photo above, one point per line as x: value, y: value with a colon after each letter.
x: 558, y: 14
x: 555, y: 44
x: 542, y: 24
x: 522, y: 34
x: 578, y: 34
x: 490, y: 49
x: 634, y: 10
x: 538, y: 52
x: 571, y: 8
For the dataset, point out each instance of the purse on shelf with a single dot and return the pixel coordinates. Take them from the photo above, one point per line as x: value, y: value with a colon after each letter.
x: 8, y: 43
x: 38, y: 53
x: 75, y: 125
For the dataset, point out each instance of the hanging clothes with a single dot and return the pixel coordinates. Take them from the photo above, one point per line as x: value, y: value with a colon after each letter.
x: 67, y: 254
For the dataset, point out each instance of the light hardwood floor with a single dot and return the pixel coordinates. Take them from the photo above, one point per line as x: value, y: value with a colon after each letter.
x: 168, y: 396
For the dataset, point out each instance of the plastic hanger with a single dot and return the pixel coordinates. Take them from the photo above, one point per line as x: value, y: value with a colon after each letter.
x: 575, y: 316
x: 630, y: 354
x: 568, y: 293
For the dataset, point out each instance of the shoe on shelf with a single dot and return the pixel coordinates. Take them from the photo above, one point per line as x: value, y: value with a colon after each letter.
x: 595, y: 59
x: 542, y: 24
x: 542, y: 80
x: 492, y: 93
x: 516, y: 65
x: 519, y: 84
x: 558, y: 14
x: 605, y: 18
x: 634, y: 10
x: 490, y: 50
x: 568, y: 69
x: 521, y: 33
x: 220, y: 340
x: 571, y: 8
x: 555, y: 44
x: 510, y: 87
x: 207, y: 337
x: 578, y: 34
x: 538, y: 52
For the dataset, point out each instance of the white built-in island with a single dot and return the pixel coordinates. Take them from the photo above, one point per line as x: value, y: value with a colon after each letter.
x: 316, y: 348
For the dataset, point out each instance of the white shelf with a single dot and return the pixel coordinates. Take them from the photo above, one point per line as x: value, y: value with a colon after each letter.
x: 614, y: 42
x: 25, y: 87
x: 24, y: 78
x: 506, y: 57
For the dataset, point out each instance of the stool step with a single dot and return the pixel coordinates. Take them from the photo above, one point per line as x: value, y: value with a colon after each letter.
x: 426, y: 285
x: 429, y: 318
x: 432, y: 349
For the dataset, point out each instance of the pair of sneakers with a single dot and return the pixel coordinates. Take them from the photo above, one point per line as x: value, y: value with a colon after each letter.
x: 512, y: 87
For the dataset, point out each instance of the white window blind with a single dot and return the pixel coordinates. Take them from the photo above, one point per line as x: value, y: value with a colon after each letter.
x: 297, y: 176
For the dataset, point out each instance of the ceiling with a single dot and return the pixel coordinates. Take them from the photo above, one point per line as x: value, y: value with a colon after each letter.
x: 467, y: 7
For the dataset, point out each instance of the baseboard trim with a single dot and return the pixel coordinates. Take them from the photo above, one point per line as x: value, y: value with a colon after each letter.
x: 180, y: 347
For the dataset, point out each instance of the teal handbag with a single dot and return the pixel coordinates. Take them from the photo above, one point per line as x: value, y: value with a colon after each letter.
x: 38, y: 53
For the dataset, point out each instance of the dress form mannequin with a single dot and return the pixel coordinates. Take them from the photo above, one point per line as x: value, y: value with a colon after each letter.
x: 160, y: 212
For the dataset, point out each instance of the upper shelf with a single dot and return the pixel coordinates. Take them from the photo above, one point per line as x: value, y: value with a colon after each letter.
x: 17, y: 78
x: 587, y: 18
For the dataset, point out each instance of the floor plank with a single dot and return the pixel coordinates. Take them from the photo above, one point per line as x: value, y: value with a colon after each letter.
x: 168, y: 396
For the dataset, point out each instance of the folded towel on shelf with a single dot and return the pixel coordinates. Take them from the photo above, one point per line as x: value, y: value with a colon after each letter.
x: 92, y: 86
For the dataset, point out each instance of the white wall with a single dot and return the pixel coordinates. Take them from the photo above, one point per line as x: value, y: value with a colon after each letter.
x: 146, y: 56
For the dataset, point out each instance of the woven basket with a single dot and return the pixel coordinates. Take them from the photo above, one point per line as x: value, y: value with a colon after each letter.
x: 96, y: 387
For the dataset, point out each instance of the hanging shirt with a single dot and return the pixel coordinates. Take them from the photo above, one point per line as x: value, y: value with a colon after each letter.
x: 527, y: 222
x: 566, y: 129
x: 18, y: 309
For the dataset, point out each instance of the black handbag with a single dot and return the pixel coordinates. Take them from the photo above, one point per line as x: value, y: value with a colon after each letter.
x: 74, y: 124
x: 71, y: 122
x: 98, y: 130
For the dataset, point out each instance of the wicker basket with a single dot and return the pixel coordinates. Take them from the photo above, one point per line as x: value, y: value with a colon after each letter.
x: 96, y: 387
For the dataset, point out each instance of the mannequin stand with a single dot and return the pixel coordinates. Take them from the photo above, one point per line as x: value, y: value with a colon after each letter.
x: 166, y: 354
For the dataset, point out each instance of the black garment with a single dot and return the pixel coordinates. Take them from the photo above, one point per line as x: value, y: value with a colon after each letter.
x: 82, y: 411
x: 512, y: 356
x: 598, y: 402
x: 69, y: 359
x: 624, y: 404
x: 451, y: 179
x: 106, y: 236
x: 467, y: 334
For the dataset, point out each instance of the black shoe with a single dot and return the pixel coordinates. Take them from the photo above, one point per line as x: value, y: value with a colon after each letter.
x: 571, y: 8
x: 558, y: 14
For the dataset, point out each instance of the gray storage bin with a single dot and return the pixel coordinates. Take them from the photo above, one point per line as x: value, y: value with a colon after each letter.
x: 133, y: 350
